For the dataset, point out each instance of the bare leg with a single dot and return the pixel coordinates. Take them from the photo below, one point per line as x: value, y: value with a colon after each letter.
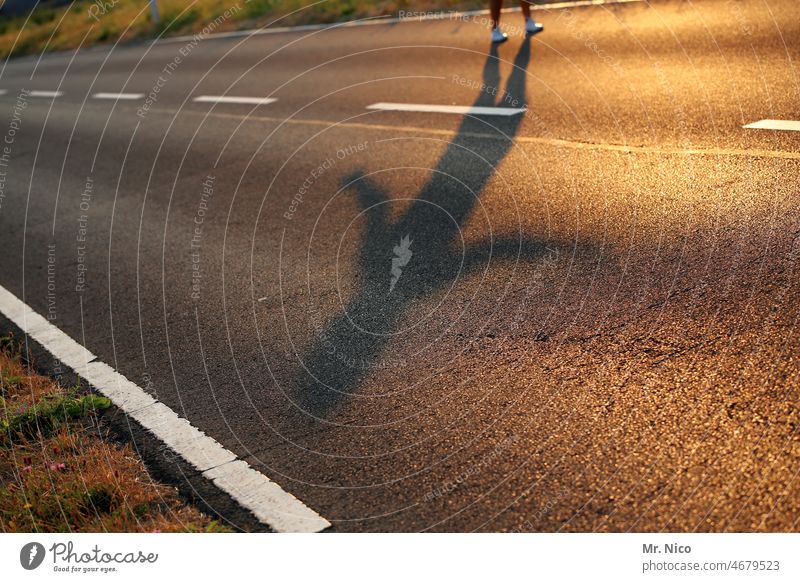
x: 526, y: 8
x: 531, y: 26
x: 494, y: 9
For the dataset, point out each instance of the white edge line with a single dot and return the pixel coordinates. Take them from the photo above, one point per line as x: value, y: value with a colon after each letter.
x: 458, y: 109
x: 779, y: 124
x: 251, y: 489
x: 423, y: 17
x: 233, y: 99
x: 37, y: 93
x: 131, y: 96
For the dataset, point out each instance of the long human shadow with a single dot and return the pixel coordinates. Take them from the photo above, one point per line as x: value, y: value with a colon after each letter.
x: 390, y: 277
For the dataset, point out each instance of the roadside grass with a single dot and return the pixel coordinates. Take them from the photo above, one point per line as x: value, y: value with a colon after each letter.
x: 57, y: 473
x: 86, y: 23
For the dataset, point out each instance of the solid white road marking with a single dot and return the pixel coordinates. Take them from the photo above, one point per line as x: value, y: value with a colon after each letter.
x: 228, y: 99
x: 781, y: 124
x: 131, y: 96
x: 36, y: 93
x: 251, y: 489
x: 461, y: 110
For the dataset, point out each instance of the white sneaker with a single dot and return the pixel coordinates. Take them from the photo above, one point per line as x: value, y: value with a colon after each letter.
x: 498, y: 35
x: 532, y: 27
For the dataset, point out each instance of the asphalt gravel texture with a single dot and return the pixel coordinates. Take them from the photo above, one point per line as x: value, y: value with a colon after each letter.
x: 579, y: 318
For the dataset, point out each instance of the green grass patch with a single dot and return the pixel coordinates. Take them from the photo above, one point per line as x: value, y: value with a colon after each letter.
x: 46, y: 416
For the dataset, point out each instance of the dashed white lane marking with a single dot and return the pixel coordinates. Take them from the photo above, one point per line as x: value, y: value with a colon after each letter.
x: 459, y: 109
x: 230, y: 99
x: 251, y: 489
x: 781, y: 124
x: 37, y: 93
x: 117, y: 96
x: 3, y: 91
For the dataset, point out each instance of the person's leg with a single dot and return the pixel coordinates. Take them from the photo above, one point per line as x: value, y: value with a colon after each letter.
x: 494, y: 8
x: 526, y: 9
x: 531, y: 26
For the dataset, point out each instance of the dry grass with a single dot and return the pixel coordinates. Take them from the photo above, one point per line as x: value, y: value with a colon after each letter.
x: 58, y: 475
x: 84, y: 23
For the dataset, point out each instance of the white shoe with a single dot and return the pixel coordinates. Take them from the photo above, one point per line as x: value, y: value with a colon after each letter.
x: 532, y: 27
x: 498, y: 35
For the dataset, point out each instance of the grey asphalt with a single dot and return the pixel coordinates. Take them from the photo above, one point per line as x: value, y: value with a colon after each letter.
x: 595, y: 328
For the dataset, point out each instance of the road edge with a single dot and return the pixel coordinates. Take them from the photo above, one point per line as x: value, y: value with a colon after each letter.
x: 378, y: 20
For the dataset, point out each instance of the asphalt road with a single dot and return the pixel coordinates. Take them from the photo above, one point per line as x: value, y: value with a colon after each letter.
x: 592, y: 328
